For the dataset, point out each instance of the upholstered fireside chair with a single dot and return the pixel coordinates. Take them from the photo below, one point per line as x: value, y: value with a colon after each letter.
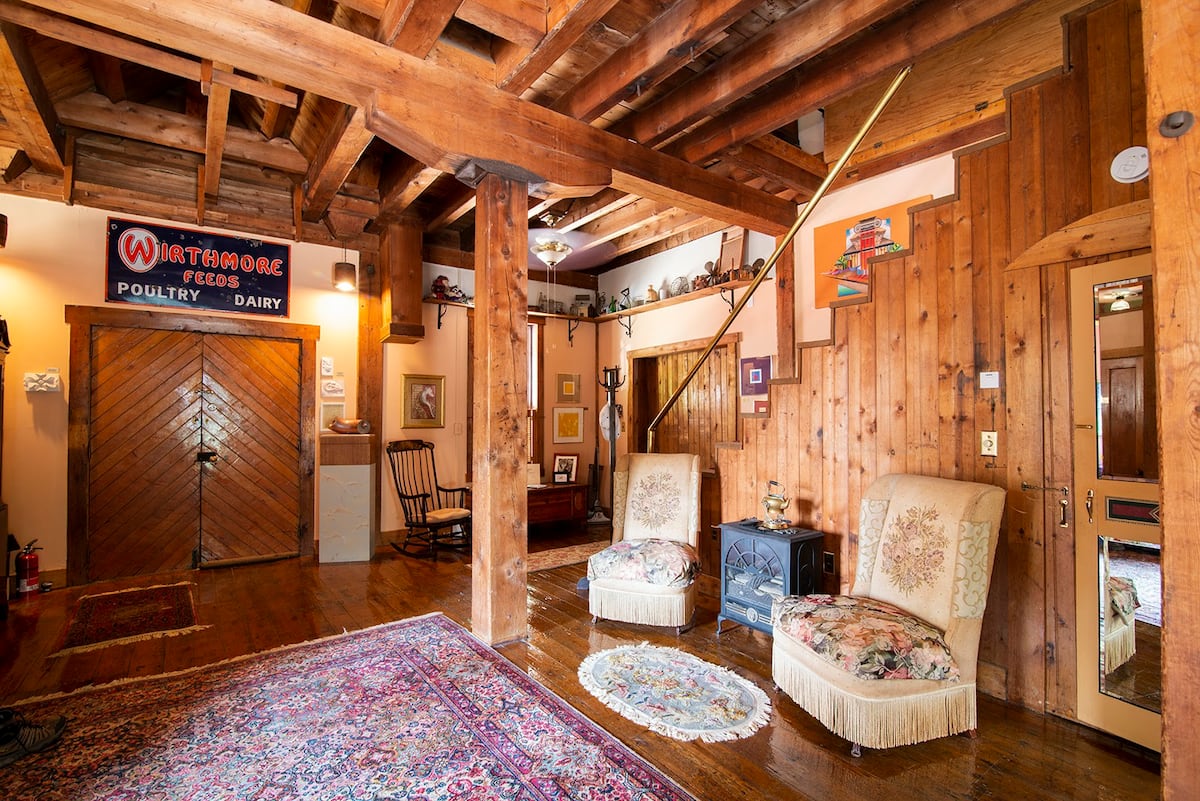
x: 894, y: 662
x: 434, y: 516
x: 648, y: 574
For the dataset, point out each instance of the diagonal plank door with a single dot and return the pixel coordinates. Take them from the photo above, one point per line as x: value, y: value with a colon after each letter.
x: 250, y: 495
x: 143, y: 493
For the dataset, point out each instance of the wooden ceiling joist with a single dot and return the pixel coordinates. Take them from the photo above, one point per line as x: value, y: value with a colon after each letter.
x: 806, y: 89
x: 424, y: 109
x: 107, y: 44
x: 797, y: 37
x: 26, y: 104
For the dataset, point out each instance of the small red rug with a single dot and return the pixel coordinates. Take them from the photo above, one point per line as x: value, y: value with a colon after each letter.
x: 124, y: 616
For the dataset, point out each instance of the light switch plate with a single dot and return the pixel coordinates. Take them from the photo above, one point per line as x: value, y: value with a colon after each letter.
x: 988, y: 445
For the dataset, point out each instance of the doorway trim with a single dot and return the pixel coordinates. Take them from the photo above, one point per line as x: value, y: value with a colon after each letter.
x: 81, y: 319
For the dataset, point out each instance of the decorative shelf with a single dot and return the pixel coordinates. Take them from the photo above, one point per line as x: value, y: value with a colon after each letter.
x: 728, y: 286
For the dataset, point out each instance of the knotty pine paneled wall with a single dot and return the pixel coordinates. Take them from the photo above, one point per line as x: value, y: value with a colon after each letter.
x: 897, y: 390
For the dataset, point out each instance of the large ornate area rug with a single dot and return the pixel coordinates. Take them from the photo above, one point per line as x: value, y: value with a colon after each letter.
x: 675, y: 693
x: 114, y: 618
x: 418, y: 709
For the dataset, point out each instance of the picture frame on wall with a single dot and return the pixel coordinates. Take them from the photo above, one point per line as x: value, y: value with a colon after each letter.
x: 568, y: 424
x: 330, y: 412
x: 566, y: 466
x: 755, y: 373
x: 424, y: 402
x: 568, y: 388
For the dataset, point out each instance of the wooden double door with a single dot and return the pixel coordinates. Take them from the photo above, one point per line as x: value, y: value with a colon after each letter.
x: 196, y: 451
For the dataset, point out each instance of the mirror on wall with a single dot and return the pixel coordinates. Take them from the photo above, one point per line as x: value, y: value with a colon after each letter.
x: 1129, y: 567
x: 1126, y: 408
x: 1130, y: 583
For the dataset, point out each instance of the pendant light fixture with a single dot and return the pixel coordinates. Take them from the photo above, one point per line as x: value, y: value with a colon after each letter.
x: 345, y: 275
x: 551, y: 248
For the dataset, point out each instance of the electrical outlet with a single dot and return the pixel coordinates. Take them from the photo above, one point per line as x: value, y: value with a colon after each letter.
x: 988, y: 445
x: 828, y: 565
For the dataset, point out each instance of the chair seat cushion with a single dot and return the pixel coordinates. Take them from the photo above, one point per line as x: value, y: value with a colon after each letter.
x: 447, y: 515
x: 663, y: 563
x: 867, y: 638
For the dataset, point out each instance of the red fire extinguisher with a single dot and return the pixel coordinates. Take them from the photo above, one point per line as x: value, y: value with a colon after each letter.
x: 27, y: 570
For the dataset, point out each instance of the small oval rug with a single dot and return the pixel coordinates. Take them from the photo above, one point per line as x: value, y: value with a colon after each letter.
x: 675, y: 693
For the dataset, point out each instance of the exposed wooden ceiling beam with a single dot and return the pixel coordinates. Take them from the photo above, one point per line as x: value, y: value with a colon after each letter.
x: 404, y: 93
x: 517, y: 68
x: 171, y: 129
x: 403, y: 180
x: 778, y: 48
x: 771, y: 157
x: 895, y: 43
x: 415, y: 25
x: 216, y: 123
x: 26, y: 103
x: 340, y: 150
x: 519, y: 22
x: 105, y: 43
x: 673, y: 39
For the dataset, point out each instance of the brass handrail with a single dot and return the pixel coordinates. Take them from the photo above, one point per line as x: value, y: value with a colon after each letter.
x: 787, y: 240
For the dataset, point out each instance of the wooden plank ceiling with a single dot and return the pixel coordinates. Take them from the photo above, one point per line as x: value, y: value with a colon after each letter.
x: 638, y: 123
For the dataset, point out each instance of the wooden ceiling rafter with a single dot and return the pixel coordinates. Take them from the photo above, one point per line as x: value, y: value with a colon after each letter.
x: 812, y: 86
x: 26, y: 104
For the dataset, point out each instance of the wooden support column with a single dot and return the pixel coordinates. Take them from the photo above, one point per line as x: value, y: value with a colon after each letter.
x: 501, y: 379
x: 1173, y: 138
x: 785, y: 312
x: 402, y: 282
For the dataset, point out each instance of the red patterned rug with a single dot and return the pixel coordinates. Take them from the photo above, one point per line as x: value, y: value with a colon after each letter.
x: 112, y: 618
x: 418, y: 709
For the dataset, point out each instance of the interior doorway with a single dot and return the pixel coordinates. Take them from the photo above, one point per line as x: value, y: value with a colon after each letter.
x: 192, y: 443
x: 705, y: 418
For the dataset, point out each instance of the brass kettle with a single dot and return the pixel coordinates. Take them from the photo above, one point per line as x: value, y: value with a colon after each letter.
x: 775, y: 503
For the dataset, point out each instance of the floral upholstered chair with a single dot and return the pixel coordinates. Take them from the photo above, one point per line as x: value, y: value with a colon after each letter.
x: 894, y: 662
x: 648, y: 574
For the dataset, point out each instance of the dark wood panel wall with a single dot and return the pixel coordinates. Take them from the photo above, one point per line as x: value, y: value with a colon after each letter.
x: 896, y: 390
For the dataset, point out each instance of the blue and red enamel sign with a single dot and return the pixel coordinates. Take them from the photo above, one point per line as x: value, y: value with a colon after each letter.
x: 155, y: 265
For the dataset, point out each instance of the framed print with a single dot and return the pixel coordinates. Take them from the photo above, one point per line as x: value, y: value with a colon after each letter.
x: 330, y: 411
x: 843, y: 251
x: 755, y: 372
x: 568, y: 388
x: 565, y: 466
x: 334, y: 387
x: 568, y: 424
x: 424, y: 402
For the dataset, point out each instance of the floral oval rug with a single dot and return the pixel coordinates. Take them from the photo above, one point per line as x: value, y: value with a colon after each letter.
x: 675, y: 693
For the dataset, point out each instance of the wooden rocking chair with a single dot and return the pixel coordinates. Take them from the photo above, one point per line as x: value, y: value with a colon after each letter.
x: 434, y: 516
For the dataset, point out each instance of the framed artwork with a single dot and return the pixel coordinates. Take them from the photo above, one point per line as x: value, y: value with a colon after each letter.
x: 565, y: 467
x: 424, y: 402
x: 333, y: 387
x: 568, y: 388
x: 842, y: 252
x: 568, y: 424
x: 329, y: 411
x: 755, y: 373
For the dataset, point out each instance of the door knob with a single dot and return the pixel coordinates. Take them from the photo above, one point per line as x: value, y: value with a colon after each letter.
x: 209, y: 457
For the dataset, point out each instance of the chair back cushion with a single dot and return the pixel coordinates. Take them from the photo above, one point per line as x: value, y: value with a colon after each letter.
x: 657, y: 496
x: 926, y: 545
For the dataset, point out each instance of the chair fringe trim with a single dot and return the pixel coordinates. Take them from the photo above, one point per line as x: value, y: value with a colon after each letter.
x: 1119, y: 647
x: 628, y: 607
x: 884, y: 722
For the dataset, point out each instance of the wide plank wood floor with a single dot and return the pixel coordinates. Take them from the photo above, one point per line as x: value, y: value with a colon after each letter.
x: 1017, y: 754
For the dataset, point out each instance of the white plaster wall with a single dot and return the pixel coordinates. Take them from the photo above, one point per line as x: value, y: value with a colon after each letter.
x: 54, y: 258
